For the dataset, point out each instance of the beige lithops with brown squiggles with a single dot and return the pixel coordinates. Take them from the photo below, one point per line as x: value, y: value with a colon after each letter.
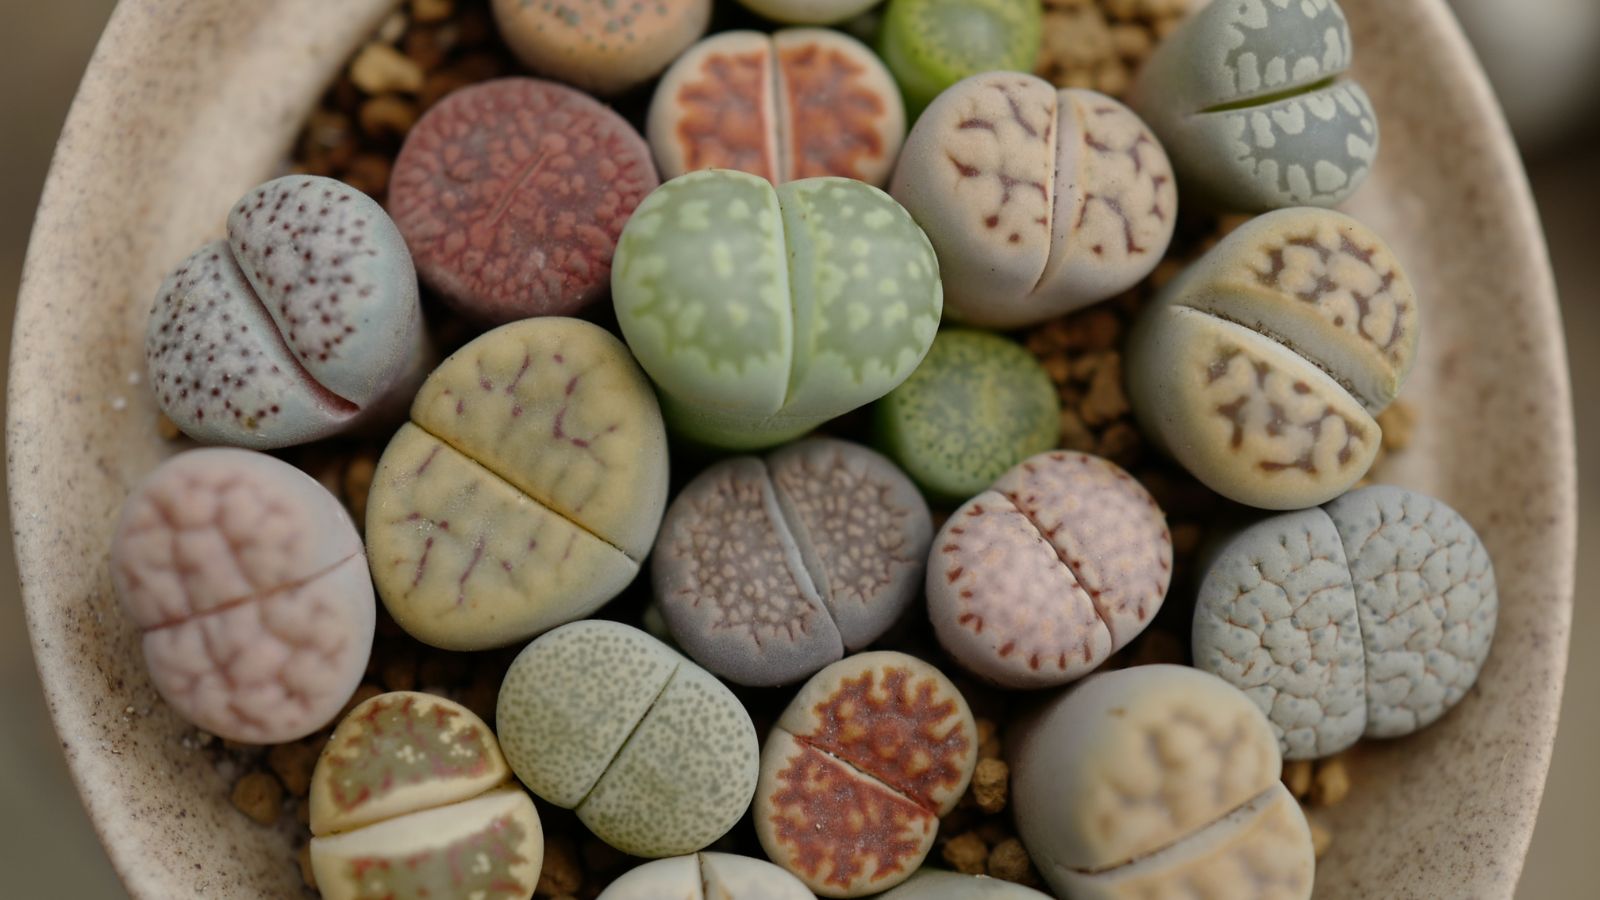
x: 1262, y: 368
x: 1037, y: 201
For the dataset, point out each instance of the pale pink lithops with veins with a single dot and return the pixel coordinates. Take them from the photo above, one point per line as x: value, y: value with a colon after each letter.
x: 799, y: 103
x: 247, y: 578
x: 525, y: 490
x: 1038, y: 579
x: 302, y: 324
x: 707, y: 876
x: 511, y: 195
x: 860, y: 767
x: 1038, y: 201
x: 411, y: 798
x: 1157, y: 781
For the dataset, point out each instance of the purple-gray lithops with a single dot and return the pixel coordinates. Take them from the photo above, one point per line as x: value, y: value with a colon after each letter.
x: 303, y: 323
x: 769, y: 569
x: 1370, y: 616
x: 933, y: 884
x: 1157, y: 781
x: 707, y: 876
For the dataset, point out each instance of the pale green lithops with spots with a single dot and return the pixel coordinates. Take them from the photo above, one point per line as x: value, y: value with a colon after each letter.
x: 933, y: 884
x: 978, y: 405
x: 707, y: 876
x: 1157, y: 781
x: 411, y: 799
x: 1370, y: 616
x: 808, y: 12
x: 931, y: 44
x: 525, y: 490
x: 656, y: 756
x: 762, y: 312
x: 1037, y: 201
x: 1261, y: 369
x: 1247, y: 98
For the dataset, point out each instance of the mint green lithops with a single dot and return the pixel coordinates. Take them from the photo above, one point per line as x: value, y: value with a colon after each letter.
x: 978, y: 405
x: 762, y: 312
x: 932, y: 44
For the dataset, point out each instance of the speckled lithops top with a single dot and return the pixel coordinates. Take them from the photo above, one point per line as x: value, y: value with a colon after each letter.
x: 932, y: 44
x: 601, y: 46
x: 707, y: 876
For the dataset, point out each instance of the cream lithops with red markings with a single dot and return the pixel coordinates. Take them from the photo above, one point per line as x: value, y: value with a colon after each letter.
x: 411, y: 798
x: 861, y: 765
x: 799, y: 103
x: 248, y: 581
x: 1037, y: 201
x: 1157, y: 781
x: 602, y: 46
x: 1034, y: 582
x: 524, y: 492
x: 707, y: 876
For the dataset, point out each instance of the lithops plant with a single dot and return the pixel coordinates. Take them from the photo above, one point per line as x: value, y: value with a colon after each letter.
x: 1262, y: 367
x: 808, y: 12
x: 247, y: 578
x: 930, y: 45
x: 799, y: 103
x: 1370, y: 616
x: 1157, y: 781
x: 511, y: 194
x: 978, y: 405
x: 858, y: 770
x: 601, y: 46
x: 411, y: 798
x: 1247, y: 98
x: 767, y: 570
x: 707, y: 876
x: 525, y: 490
x: 657, y: 756
x: 303, y: 323
x: 932, y: 884
x: 1037, y: 201
x: 762, y: 312
x: 1035, y: 581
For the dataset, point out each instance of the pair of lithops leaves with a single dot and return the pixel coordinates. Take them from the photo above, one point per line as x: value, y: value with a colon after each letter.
x: 302, y: 323
x: 1370, y: 616
x: 707, y: 876
x: 761, y: 312
x: 1262, y: 367
x: 411, y: 797
x: 1157, y: 781
x: 930, y: 45
x: 524, y: 492
x: 1038, y: 201
x: 933, y: 884
x: 657, y: 757
x: 602, y: 47
x: 1247, y: 98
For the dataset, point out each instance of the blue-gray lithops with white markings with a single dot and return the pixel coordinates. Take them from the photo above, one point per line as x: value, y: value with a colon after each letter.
x: 1370, y: 616
x: 707, y: 876
x: 1247, y: 99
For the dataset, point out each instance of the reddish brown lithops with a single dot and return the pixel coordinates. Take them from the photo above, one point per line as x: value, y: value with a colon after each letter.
x: 601, y: 46
x: 796, y: 104
x: 1037, y: 580
x: 873, y: 750
x: 511, y: 195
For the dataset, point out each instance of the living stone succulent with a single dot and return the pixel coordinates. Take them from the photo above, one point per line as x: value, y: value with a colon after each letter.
x: 808, y: 12
x: 930, y: 45
x: 249, y: 583
x: 1262, y: 367
x: 933, y: 884
x: 657, y: 757
x: 761, y: 312
x: 707, y: 876
x: 1035, y: 581
x: 768, y: 570
x: 799, y: 103
x: 858, y: 770
x: 600, y: 46
x: 411, y: 798
x: 524, y: 492
x: 1038, y: 201
x: 1247, y: 98
x: 1369, y: 616
x: 976, y: 406
x: 303, y: 323
x: 1157, y: 781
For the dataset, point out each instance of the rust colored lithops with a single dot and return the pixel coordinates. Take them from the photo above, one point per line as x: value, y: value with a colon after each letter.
x: 411, y: 798
x: 1037, y: 580
x: 864, y: 761
x: 602, y: 46
x: 511, y: 195
x: 799, y: 103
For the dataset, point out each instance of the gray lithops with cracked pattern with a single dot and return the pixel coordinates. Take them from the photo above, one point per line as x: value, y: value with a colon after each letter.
x: 1370, y: 616
x: 1246, y: 97
x: 933, y: 884
x: 707, y: 876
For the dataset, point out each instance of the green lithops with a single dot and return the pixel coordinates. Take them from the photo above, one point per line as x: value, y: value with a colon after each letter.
x: 978, y: 405
x: 932, y: 44
x: 761, y: 312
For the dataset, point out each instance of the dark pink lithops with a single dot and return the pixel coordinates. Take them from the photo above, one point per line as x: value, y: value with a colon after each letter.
x: 303, y: 323
x: 512, y: 193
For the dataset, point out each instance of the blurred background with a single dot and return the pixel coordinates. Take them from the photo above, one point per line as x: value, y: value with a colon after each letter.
x: 1544, y: 59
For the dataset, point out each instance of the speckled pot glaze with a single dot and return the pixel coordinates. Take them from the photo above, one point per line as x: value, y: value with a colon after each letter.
x: 188, y: 104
